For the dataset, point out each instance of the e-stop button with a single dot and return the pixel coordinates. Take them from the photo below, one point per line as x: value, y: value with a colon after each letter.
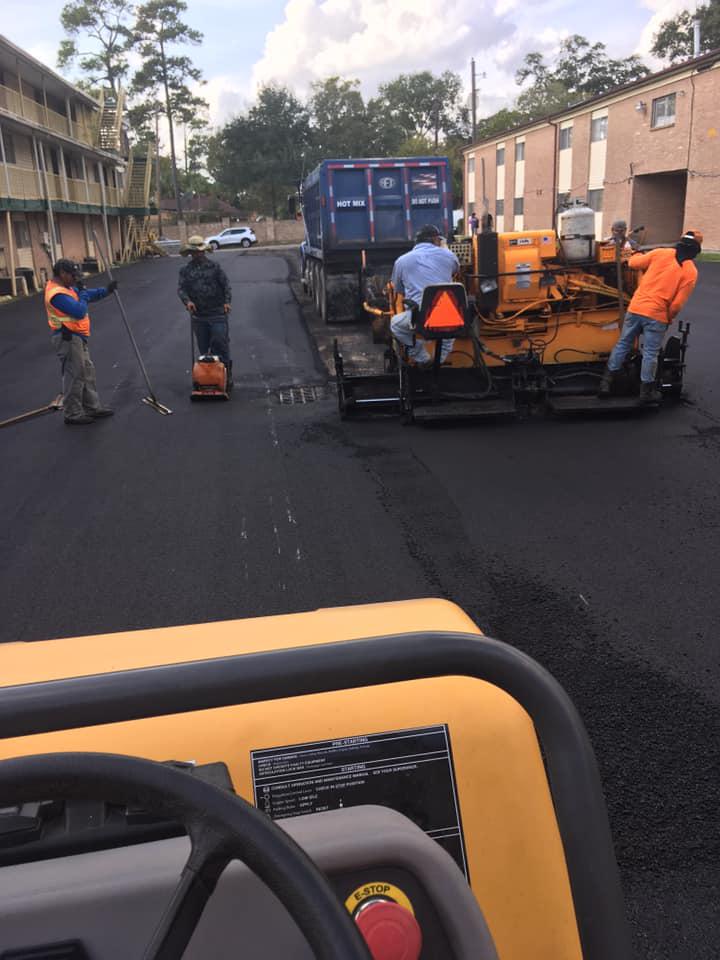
x: 390, y: 931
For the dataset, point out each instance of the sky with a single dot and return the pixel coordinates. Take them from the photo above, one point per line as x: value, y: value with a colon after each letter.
x: 296, y: 42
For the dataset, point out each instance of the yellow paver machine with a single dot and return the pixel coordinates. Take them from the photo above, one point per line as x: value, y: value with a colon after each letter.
x: 532, y: 320
x: 380, y: 782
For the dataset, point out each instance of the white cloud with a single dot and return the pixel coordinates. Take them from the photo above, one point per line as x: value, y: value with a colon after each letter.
x: 662, y: 10
x: 377, y: 39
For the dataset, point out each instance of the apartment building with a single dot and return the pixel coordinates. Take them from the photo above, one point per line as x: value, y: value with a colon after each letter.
x: 64, y: 172
x: 647, y: 152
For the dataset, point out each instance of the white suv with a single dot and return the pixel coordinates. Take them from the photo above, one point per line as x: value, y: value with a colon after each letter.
x: 232, y: 237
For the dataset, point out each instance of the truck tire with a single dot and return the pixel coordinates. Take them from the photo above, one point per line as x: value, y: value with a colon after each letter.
x: 316, y: 285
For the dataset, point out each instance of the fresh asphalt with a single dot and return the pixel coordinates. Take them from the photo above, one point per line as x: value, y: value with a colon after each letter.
x: 591, y: 544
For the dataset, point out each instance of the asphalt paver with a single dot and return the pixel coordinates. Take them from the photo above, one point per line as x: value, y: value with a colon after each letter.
x: 591, y: 544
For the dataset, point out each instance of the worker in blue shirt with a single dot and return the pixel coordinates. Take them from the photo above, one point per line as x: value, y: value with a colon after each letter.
x: 428, y: 262
x: 66, y: 305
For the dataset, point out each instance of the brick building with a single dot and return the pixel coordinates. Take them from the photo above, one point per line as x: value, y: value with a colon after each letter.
x: 64, y: 172
x: 648, y: 152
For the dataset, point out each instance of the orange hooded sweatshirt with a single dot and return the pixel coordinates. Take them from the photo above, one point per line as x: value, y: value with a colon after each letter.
x: 665, y: 284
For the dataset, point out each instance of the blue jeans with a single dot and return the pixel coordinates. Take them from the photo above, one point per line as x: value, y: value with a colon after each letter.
x: 653, y: 333
x: 212, y: 336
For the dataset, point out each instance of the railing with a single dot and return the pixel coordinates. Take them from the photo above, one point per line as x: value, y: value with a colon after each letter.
x: 77, y: 191
x: 23, y: 183
x: 84, y: 131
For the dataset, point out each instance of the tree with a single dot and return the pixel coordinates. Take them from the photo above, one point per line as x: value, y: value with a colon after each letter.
x: 338, y: 118
x: 103, y: 26
x: 420, y: 105
x: 581, y: 70
x: 260, y: 156
x: 674, y: 41
x: 163, y: 77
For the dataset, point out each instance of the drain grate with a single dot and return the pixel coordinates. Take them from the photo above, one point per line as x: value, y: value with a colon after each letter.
x: 300, y: 394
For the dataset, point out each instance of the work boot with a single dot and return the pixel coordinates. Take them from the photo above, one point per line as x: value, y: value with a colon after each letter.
x: 101, y: 412
x: 78, y: 421
x: 606, y: 382
x: 649, y: 393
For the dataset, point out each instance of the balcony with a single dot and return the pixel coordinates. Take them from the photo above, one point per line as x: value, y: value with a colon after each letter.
x: 25, y: 184
x: 83, y: 131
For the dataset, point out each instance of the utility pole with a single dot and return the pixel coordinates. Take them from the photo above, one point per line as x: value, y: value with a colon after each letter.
x: 158, y: 198
x: 473, y: 94
x: 696, y: 35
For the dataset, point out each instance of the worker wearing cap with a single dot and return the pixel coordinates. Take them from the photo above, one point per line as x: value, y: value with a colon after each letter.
x: 66, y: 305
x: 205, y: 290
x: 668, y: 278
x: 619, y: 235
x: 428, y: 262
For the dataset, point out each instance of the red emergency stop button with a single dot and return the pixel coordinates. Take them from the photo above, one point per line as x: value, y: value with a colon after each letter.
x: 390, y: 931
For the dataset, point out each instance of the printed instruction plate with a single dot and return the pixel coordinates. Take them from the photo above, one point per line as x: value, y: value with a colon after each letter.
x: 410, y: 771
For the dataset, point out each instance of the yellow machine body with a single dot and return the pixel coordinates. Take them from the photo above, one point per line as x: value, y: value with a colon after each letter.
x: 515, y: 857
x: 521, y: 257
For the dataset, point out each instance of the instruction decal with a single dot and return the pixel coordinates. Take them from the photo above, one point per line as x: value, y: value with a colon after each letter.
x: 410, y: 771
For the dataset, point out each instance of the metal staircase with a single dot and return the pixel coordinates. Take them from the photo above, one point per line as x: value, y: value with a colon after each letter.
x: 138, y: 239
x: 110, y: 123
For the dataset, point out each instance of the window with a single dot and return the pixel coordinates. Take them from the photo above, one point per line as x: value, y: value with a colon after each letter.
x: 54, y: 161
x: 9, y: 148
x: 566, y: 138
x: 598, y: 129
x: 22, y: 234
x: 471, y: 165
x: 499, y: 208
x: 519, y: 206
x: 563, y: 199
x: 500, y: 156
x: 595, y: 200
x: 663, y: 111
x: 58, y: 235
x: 519, y: 151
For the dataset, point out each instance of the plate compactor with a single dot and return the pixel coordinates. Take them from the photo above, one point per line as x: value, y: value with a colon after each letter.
x: 211, y: 377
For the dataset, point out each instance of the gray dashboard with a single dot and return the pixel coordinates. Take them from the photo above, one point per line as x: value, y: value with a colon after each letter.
x: 111, y: 900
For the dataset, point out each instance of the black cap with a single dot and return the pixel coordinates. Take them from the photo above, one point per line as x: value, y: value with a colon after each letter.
x: 66, y: 266
x: 427, y: 233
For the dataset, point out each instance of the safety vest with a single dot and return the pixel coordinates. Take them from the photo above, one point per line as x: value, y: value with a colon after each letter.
x: 56, y: 318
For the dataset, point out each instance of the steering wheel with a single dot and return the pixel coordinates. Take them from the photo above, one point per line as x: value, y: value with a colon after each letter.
x: 221, y: 827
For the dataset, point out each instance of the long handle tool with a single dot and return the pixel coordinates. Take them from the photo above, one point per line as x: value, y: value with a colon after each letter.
x: 151, y: 400
x: 55, y: 404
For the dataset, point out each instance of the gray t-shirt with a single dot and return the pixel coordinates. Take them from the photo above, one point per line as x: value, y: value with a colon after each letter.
x: 421, y: 266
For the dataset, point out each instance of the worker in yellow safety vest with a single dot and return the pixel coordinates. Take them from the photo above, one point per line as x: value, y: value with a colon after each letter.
x: 66, y: 303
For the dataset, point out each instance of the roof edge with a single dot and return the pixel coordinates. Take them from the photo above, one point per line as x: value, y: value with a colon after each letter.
x: 705, y: 61
x: 39, y: 65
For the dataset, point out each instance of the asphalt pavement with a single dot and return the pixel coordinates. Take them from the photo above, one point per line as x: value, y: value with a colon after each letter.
x: 591, y: 544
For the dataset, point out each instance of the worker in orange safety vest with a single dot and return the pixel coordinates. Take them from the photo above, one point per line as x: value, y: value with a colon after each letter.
x: 66, y: 304
x: 668, y: 278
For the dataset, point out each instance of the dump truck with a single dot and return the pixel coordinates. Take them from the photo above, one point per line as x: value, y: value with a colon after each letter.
x: 359, y: 216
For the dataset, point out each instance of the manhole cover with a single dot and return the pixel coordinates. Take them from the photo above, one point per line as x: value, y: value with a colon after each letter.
x: 300, y: 394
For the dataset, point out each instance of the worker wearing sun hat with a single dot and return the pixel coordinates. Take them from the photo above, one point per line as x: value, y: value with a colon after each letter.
x: 205, y: 290
x: 668, y: 278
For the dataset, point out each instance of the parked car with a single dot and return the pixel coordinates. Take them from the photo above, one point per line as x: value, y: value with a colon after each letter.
x: 233, y: 236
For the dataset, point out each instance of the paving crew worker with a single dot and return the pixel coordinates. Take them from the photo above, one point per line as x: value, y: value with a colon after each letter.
x: 619, y: 235
x: 205, y: 290
x: 668, y: 278
x: 428, y: 262
x: 66, y: 304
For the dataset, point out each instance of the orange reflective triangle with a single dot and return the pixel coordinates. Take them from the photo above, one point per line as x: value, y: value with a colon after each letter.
x: 444, y: 314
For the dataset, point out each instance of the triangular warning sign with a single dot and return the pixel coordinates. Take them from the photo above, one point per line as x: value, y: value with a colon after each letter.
x: 444, y: 314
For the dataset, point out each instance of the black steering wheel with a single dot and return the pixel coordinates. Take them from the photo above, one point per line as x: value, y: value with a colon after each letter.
x: 221, y: 827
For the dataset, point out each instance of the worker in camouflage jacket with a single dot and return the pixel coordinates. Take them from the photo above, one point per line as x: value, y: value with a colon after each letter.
x: 205, y: 290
